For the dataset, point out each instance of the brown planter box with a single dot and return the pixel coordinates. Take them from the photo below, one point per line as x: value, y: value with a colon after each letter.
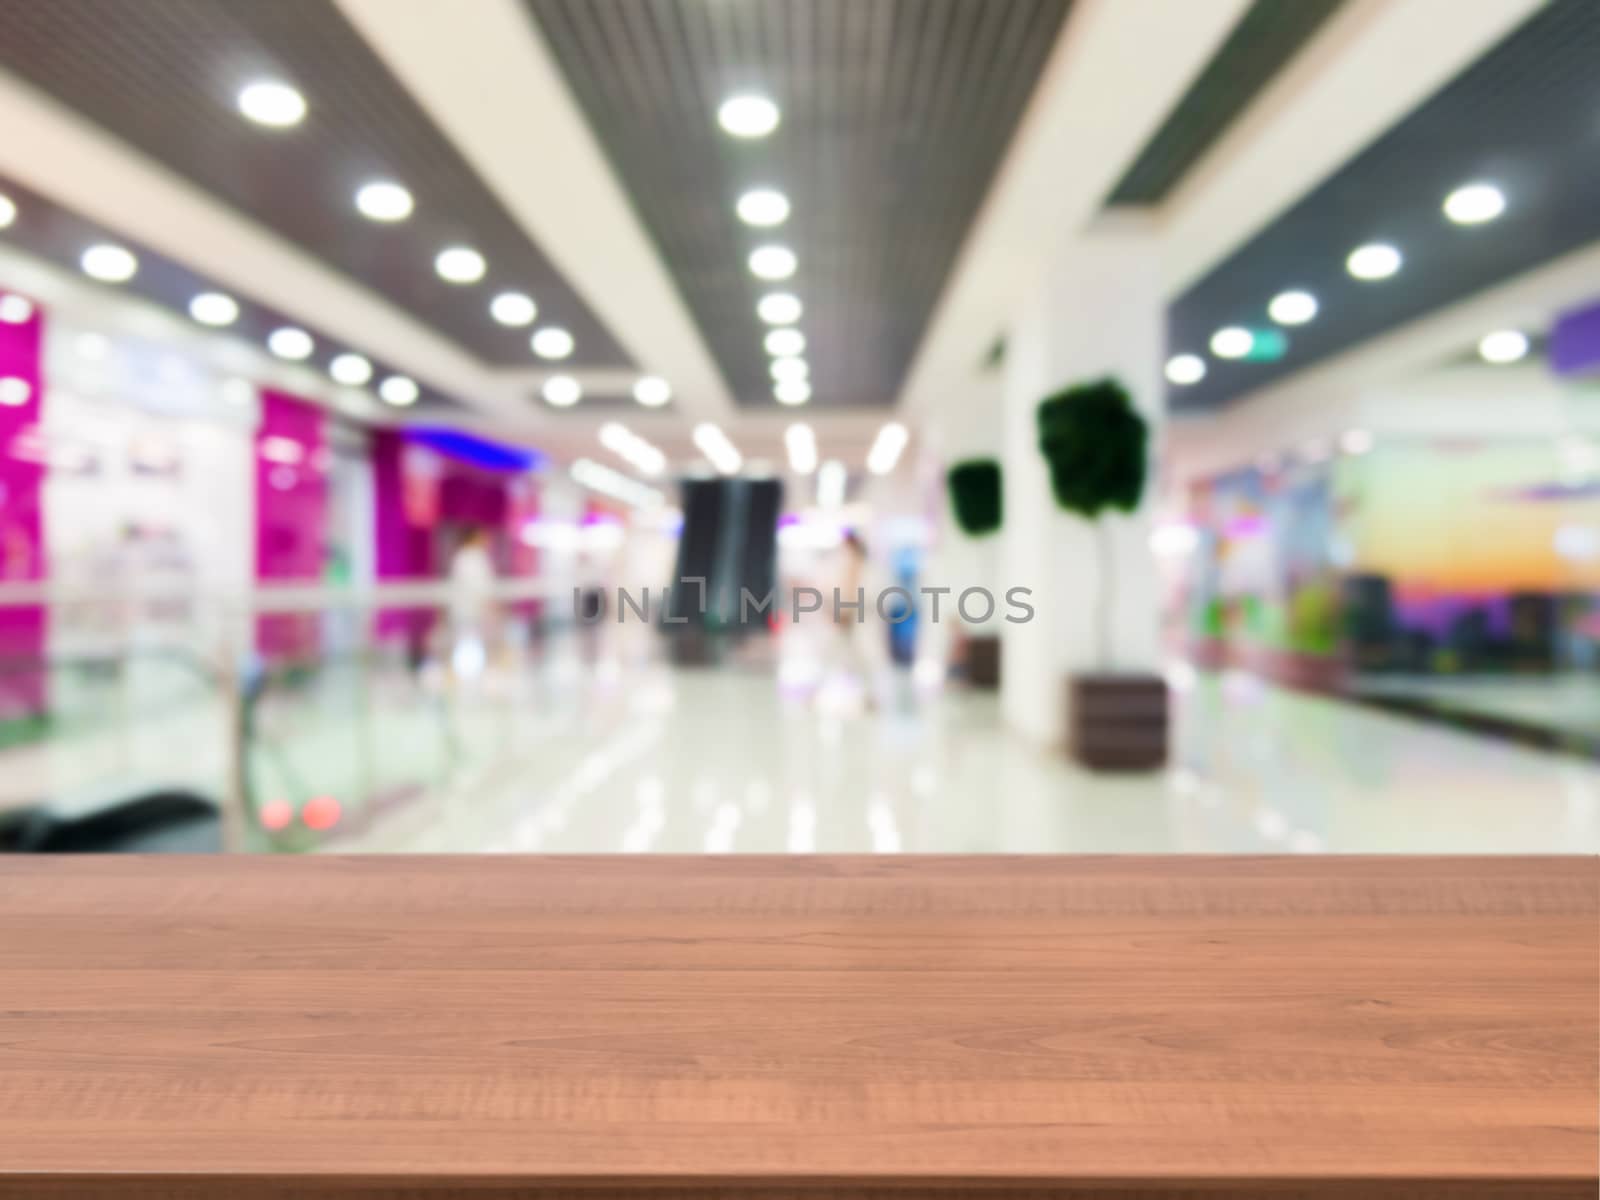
x: 983, y: 662
x: 1119, y: 722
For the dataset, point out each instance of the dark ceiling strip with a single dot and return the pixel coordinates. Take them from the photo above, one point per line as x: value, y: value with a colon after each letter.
x: 162, y: 75
x: 1525, y: 116
x: 896, y: 114
x: 1261, y: 45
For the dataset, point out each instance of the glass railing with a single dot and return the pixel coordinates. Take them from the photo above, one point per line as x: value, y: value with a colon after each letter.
x: 297, y: 717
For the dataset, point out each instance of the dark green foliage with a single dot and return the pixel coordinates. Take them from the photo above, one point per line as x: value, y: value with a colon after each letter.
x: 1096, y: 445
x: 975, y: 495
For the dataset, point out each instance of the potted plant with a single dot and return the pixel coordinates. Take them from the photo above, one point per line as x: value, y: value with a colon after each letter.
x: 975, y: 498
x: 1097, y: 447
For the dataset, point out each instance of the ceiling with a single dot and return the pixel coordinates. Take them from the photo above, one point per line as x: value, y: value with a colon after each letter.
x: 163, y: 76
x: 895, y: 116
x: 1268, y: 35
x: 1525, y: 116
x: 49, y: 231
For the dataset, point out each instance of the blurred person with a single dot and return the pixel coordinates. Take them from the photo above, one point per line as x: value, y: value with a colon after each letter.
x: 860, y: 638
x: 472, y: 603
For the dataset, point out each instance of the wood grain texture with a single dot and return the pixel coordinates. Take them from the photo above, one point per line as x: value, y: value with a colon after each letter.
x: 793, y: 1028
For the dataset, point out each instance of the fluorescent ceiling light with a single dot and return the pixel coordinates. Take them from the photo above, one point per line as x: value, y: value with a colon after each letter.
x: 563, y: 391
x: 513, y: 309
x: 763, y: 207
x: 552, y: 342
x: 213, y: 308
x: 460, y: 264
x: 652, y: 391
x: 109, y: 264
x: 350, y: 369
x: 271, y: 102
x: 748, y: 116
x: 399, y: 391
x: 1376, y: 260
x: 383, y: 200
x: 1474, y: 204
x: 1233, y: 342
x: 291, y: 343
x: 1184, y: 369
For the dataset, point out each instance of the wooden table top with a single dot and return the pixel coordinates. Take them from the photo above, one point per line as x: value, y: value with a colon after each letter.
x: 388, y: 1026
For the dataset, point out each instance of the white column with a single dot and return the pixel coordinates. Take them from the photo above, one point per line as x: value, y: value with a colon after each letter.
x: 1099, y: 313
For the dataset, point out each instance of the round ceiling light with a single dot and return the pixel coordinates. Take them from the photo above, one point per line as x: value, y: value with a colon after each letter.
x: 14, y: 310
x: 1292, y: 308
x: 792, y: 391
x: 772, y: 262
x: 350, y: 369
x: 513, y: 309
x: 1474, y: 203
x: 563, y: 391
x: 272, y: 102
x: 1376, y: 260
x: 790, y: 368
x: 748, y: 116
x: 763, y: 207
x: 652, y: 391
x: 1184, y: 369
x: 8, y: 211
x: 779, y: 308
x: 460, y: 264
x: 399, y: 391
x: 109, y: 264
x: 1233, y: 342
x: 784, y: 342
x: 215, y: 309
x: 383, y: 200
x: 1504, y: 346
x: 552, y: 342
x: 290, y: 343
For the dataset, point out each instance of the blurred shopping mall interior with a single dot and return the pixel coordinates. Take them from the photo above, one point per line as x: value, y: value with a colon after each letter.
x: 436, y: 426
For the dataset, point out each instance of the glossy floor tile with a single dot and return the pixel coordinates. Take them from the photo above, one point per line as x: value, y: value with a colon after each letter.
x: 747, y: 759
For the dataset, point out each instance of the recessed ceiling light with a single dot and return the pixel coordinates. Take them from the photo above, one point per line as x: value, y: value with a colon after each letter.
x: 1504, y: 346
x: 763, y: 207
x: 399, y: 391
x: 213, y: 308
x: 772, y: 262
x: 15, y: 391
x: 1376, y: 260
x: 272, y: 102
x: 14, y: 310
x: 513, y: 308
x: 1233, y: 342
x: 291, y: 343
x: 460, y: 264
x: 782, y: 342
x: 792, y: 391
x: 8, y: 211
x: 552, y: 342
x: 350, y: 369
x: 790, y: 368
x: 1184, y: 369
x: 1292, y: 308
x: 1474, y: 204
x: 748, y: 116
x: 109, y: 264
x: 779, y: 308
x: 652, y: 391
x: 563, y: 391
x: 383, y: 200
